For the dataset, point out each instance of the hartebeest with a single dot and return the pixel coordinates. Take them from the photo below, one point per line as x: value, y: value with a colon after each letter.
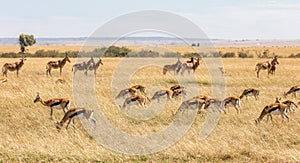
x: 265, y: 65
x: 293, y: 91
x: 276, y: 109
x: 250, y: 92
x: 54, y: 103
x: 83, y: 66
x: 74, y: 113
x: 13, y: 67
x: 95, y: 66
x: 272, y: 70
x: 233, y: 100
x: 194, y: 66
x: 172, y: 67
x: 57, y: 64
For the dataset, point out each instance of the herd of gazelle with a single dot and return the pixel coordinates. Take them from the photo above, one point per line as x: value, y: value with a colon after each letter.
x: 85, y: 66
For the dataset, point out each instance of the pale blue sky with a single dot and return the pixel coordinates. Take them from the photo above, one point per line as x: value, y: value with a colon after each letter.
x: 248, y: 19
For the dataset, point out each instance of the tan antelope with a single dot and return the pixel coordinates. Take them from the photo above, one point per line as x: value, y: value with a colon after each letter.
x: 57, y: 64
x: 185, y: 66
x: 83, y: 66
x: 76, y: 113
x: 172, y: 67
x: 54, y: 103
x: 276, y: 109
x: 176, y: 93
x: 190, y: 104
x: 234, y: 101
x: 13, y: 67
x: 125, y: 92
x: 289, y: 103
x: 292, y: 91
x: 3, y: 80
x: 250, y: 92
x: 175, y: 87
x: 212, y: 102
x: 162, y: 93
x: 265, y: 65
x: 95, y: 66
x: 138, y: 100
x: 140, y: 87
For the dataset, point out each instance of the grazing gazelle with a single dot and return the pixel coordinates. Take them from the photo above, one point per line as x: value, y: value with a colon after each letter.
x: 289, y: 103
x: 57, y: 64
x: 162, y: 93
x: 233, y: 100
x: 217, y: 103
x: 124, y: 92
x: 172, y: 67
x: 74, y: 113
x: 140, y: 87
x: 176, y: 86
x: 54, y: 103
x: 3, y: 80
x: 95, y: 66
x: 293, y: 91
x: 83, y: 66
x: 194, y: 66
x: 265, y: 65
x: 190, y: 104
x: 139, y: 100
x: 13, y: 67
x: 250, y: 92
x: 276, y: 109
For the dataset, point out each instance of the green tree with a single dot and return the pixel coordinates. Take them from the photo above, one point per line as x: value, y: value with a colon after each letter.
x: 26, y: 40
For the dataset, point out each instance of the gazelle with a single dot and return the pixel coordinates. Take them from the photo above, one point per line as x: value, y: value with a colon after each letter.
x: 74, y: 113
x: 213, y: 102
x: 140, y: 87
x: 265, y: 65
x: 233, y: 100
x: 175, y: 87
x: 250, y: 92
x: 57, y: 64
x: 194, y: 66
x: 289, y: 103
x: 162, y: 93
x: 139, y: 100
x: 176, y: 93
x: 190, y: 104
x: 172, y: 67
x: 276, y: 109
x: 95, y: 66
x: 54, y: 103
x: 3, y: 80
x: 293, y: 91
x: 13, y: 67
x: 124, y: 92
x: 83, y: 66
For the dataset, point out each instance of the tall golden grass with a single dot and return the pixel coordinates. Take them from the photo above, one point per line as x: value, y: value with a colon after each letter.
x: 28, y: 134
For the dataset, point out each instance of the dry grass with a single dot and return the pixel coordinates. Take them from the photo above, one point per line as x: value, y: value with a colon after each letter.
x: 27, y: 133
x: 283, y: 51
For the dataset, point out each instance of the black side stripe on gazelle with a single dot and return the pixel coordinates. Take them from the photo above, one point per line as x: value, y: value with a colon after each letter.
x: 56, y: 103
x: 273, y: 109
x: 77, y: 113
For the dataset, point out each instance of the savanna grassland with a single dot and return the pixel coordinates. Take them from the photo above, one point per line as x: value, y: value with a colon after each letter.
x: 28, y: 134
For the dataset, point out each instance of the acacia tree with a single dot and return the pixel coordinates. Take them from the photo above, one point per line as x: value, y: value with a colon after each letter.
x: 26, y: 40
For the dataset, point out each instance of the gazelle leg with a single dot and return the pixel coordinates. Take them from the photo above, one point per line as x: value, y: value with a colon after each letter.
x: 68, y: 123
x: 51, y: 111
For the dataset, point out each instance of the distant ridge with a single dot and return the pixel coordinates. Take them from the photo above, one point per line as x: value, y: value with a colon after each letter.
x: 149, y: 41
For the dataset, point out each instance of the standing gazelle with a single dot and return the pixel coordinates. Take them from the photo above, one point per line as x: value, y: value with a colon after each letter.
x: 233, y: 100
x: 74, y: 113
x: 250, y: 92
x: 265, y: 65
x: 13, y: 67
x: 57, y: 64
x: 276, y: 109
x: 293, y: 91
x: 54, y: 103
x: 172, y: 67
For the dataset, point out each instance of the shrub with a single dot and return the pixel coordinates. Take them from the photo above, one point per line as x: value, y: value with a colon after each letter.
x: 114, y: 51
x: 295, y: 56
x: 188, y: 55
x: 11, y: 55
x: 244, y: 55
x: 171, y: 55
x: 228, y: 55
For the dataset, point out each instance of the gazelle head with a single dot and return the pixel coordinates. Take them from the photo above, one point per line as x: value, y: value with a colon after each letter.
x: 277, y: 100
x: 37, y: 98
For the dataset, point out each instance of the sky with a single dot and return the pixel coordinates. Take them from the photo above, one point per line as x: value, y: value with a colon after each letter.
x: 219, y: 19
